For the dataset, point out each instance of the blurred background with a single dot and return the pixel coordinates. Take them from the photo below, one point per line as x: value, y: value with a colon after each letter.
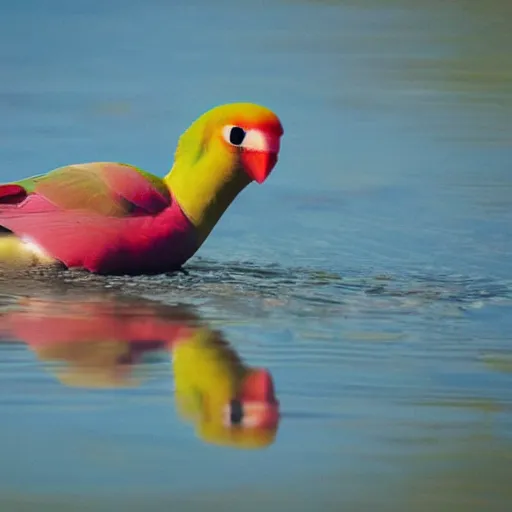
x: 370, y: 276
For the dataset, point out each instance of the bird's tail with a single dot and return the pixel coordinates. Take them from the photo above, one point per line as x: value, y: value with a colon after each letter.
x: 12, y: 193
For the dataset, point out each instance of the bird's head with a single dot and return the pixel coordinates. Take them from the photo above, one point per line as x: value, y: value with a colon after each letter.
x: 236, y: 136
x: 221, y: 152
x: 229, y: 402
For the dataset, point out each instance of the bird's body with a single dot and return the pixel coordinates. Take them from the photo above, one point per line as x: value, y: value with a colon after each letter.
x: 109, y: 217
x: 152, y: 236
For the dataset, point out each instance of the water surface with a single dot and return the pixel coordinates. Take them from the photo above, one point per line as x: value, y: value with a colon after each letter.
x: 370, y: 276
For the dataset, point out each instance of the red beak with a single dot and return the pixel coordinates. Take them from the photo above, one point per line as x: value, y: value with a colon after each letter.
x: 261, y: 408
x: 258, y: 164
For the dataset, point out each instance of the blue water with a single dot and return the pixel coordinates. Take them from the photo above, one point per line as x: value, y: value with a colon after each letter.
x: 371, y: 275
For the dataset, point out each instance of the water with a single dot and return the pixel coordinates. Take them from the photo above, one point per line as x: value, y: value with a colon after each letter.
x: 370, y: 276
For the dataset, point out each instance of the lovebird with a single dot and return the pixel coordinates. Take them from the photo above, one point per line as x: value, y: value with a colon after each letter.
x: 114, y: 218
x: 229, y: 402
x: 100, y: 343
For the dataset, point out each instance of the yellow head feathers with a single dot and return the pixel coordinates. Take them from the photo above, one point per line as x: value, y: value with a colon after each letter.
x: 230, y: 403
x: 223, y: 151
x: 209, y: 129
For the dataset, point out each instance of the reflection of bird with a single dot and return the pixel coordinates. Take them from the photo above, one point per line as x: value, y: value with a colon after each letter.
x: 102, y: 342
x: 231, y: 403
x: 115, y: 218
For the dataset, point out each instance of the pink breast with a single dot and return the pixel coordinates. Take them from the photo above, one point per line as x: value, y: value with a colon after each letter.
x: 159, y: 243
x: 136, y: 244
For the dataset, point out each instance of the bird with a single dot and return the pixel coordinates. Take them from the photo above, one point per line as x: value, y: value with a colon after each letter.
x: 98, y: 343
x: 115, y: 218
x: 229, y: 402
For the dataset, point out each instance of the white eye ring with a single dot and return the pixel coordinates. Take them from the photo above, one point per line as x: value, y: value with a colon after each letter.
x: 254, y: 140
x: 234, y: 135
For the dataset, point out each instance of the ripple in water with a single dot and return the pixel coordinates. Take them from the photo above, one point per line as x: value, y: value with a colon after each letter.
x: 276, y: 285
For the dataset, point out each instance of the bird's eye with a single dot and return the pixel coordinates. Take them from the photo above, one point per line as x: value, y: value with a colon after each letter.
x: 234, y: 135
x: 237, y: 412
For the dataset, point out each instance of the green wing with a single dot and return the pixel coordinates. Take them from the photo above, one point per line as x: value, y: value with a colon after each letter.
x: 105, y: 188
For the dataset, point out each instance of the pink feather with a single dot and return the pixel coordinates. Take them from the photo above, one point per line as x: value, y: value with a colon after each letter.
x: 156, y: 237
